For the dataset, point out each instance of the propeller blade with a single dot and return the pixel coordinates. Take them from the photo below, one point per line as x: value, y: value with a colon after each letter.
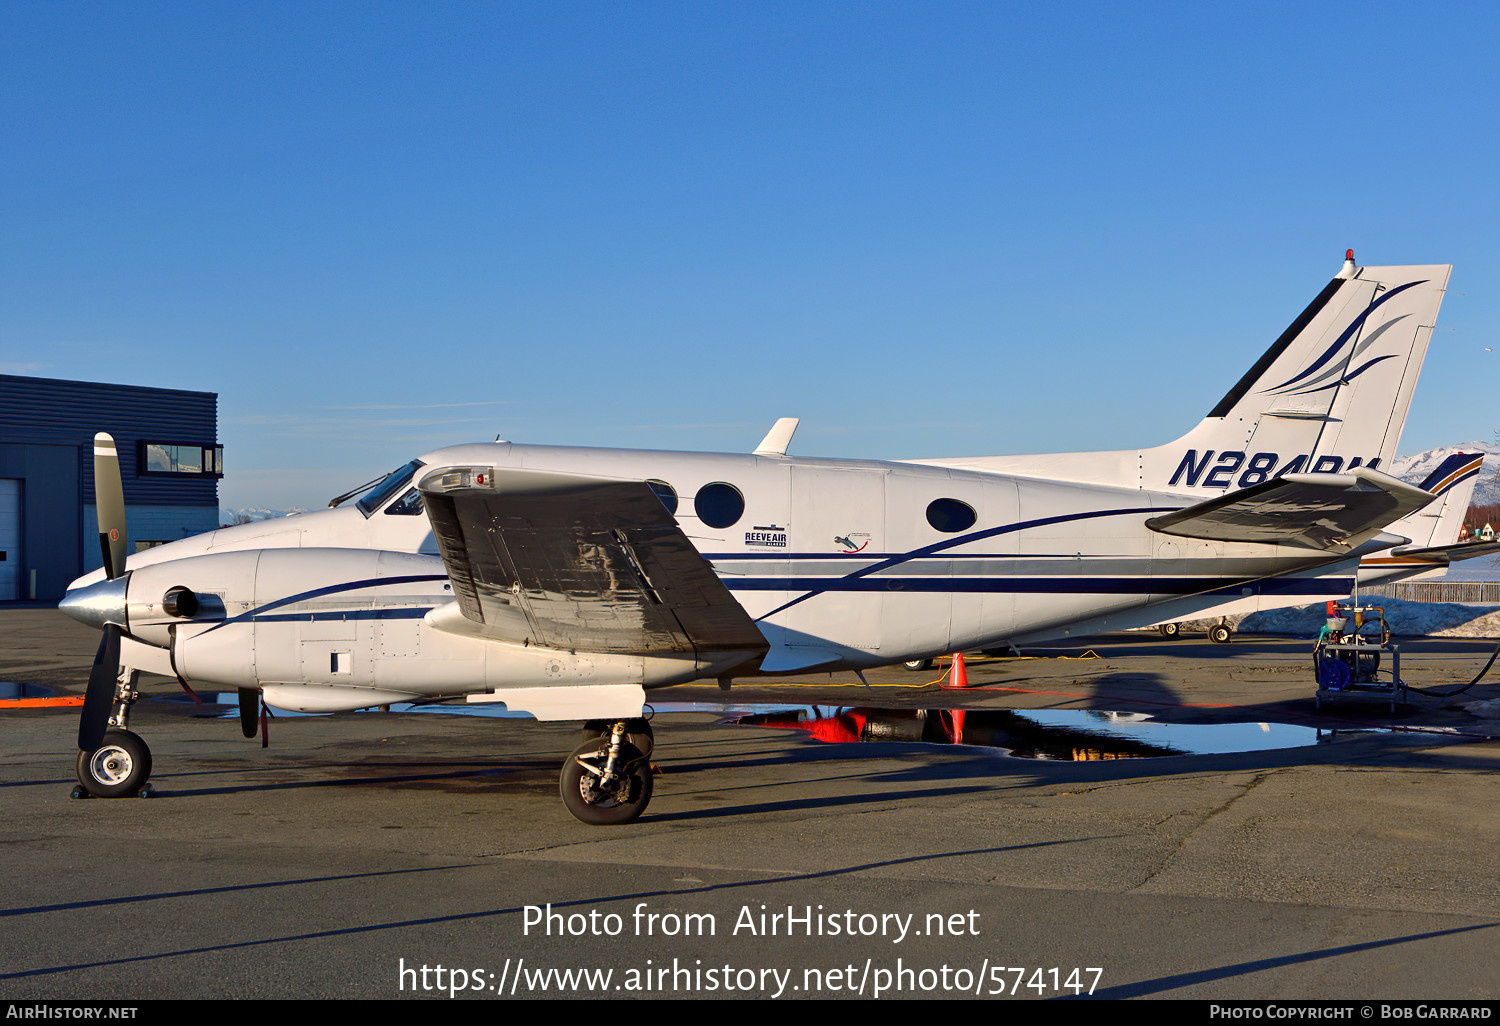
x: 100, y: 696
x: 109, y: 502
x: 249, y: 711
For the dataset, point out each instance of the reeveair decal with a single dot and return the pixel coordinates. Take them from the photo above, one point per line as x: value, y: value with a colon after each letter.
x: 770, y: 536
x: 1218, y: 470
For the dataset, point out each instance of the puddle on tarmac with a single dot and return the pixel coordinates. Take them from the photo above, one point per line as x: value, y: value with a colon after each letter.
x: 12, y: 690
x: 1061, y: 734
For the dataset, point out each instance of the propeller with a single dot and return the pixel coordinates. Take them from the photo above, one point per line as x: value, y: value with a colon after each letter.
x: 100, y: 696
x: 109, y: 502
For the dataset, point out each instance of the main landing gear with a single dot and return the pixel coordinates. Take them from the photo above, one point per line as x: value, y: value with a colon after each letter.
x: 607, y: 779
x: 1220, y: 633
x: 121, y: 766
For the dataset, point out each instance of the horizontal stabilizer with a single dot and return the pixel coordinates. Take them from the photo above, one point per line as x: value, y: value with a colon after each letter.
x: 584, y: 564
x: 1329, y: 512
x: 1445, y: 554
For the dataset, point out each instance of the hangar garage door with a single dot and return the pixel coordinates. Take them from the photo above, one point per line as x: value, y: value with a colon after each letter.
x: 10, y: 539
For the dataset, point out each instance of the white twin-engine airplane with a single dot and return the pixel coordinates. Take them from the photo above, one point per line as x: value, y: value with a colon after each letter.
x: 565, y: 582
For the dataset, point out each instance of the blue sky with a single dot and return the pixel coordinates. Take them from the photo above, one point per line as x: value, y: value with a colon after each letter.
x: 925, y: 228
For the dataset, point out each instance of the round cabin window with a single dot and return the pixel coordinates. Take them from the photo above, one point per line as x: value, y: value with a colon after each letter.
x: 666, y: 493
x: 950, y: 516
x: 719, y: 504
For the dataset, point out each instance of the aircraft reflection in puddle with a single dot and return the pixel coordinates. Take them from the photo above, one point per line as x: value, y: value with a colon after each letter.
x: 1060, y: 734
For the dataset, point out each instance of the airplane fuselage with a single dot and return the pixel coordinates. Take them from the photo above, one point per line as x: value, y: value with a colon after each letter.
x: 840, y: 563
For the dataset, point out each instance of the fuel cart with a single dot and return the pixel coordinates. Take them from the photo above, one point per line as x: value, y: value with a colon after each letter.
x: 1348, y: 654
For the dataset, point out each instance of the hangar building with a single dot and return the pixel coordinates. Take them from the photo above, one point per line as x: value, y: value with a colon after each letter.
x: 170, y: 462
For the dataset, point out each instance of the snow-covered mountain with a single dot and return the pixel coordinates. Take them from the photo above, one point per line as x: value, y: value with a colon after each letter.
x: 1486, y: 489
x: 1486, y: 492
x: 245, y: 514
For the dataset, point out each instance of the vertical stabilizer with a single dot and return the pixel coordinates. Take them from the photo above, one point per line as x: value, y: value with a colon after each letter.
x: 1330, y: 394
x: 1453, y: 482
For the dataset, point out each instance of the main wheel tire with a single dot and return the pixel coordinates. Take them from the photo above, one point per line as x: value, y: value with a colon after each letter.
x: 587, y: 803
x: 118, y: 769
x: 638, y: 732
x: 1220, y: 634
x: 918, y: 665
x: 1169, y: 630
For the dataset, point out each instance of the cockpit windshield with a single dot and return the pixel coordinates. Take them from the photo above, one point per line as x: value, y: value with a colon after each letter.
x: 392, y: 484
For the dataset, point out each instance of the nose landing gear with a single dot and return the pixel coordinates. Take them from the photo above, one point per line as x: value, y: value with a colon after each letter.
x: 117, y: 769
x: 121, y: 766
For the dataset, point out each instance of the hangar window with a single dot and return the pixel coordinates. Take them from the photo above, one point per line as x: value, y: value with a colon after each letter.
x: 178, y: 458
x: 950, y: 516
x: 666, y: 493
x: 719, y: 504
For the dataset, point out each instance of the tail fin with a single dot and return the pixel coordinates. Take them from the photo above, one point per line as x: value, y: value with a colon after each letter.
x: 1433, y: 529
x: 1438, y: 522
x: 1330, y: 394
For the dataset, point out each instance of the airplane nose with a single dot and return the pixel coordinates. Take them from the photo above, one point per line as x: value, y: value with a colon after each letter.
x: 97, y: 604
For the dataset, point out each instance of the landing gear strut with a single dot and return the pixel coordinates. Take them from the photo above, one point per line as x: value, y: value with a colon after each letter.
x: 121, y: 765
x: 607, y: 780
x: 638, y: 732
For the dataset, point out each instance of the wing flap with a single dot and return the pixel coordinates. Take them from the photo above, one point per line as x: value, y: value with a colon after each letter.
x: 1327, y: 512
x: 579, y: 563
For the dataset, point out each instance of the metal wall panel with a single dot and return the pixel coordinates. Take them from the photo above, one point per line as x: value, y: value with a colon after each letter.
x: 10, y: 539
x: 53, y: 412
x: 47, y: 429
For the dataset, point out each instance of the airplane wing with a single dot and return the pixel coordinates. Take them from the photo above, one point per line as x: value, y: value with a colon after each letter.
x: 578, y: 563
x: 1328, y: 512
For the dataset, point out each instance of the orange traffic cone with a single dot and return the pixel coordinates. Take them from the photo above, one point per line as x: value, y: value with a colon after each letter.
x: 959, y: 678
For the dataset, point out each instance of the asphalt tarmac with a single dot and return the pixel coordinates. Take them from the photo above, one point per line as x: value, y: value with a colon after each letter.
x: 386, y: 855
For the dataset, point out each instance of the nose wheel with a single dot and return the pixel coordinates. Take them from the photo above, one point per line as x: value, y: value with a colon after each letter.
x: 118, y: 768
x: 606, y: 780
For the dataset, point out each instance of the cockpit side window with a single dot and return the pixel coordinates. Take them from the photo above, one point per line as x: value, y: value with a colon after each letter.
x: 409, y: 505
x: 394, y: 482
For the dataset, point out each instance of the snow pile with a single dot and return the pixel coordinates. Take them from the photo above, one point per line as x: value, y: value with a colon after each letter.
x: 1430, y: 619
x: 1489, y: 709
